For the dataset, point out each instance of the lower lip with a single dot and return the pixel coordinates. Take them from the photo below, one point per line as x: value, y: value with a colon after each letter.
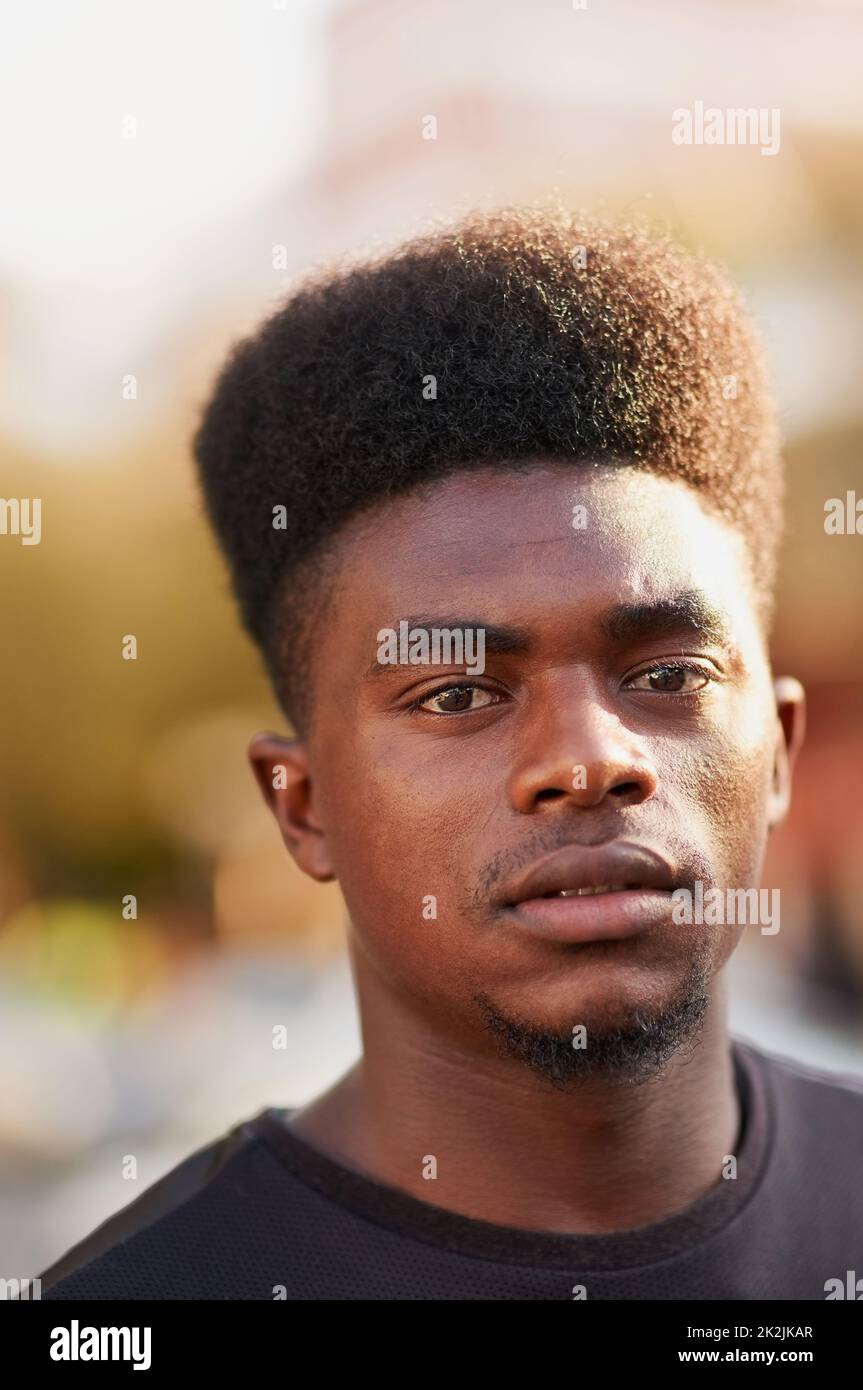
x: 594, y: 917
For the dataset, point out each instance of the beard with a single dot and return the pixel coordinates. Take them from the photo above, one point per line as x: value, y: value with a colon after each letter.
x: 630, y: 1052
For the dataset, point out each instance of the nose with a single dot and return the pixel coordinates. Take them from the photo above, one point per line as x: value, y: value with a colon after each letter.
x: 572, y: 746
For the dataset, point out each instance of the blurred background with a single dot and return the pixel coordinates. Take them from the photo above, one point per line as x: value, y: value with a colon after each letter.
x: 168, y: 170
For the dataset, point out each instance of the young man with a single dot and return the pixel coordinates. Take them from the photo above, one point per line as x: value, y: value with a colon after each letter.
x: 550, y: 440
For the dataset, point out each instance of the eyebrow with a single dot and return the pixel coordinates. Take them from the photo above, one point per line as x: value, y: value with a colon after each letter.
x: 689, y: 611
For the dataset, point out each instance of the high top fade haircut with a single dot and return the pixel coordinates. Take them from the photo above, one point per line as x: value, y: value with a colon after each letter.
x: 549, y: 337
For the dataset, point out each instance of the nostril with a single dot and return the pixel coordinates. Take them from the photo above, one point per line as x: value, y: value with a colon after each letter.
x: 549, y: 794
x: 624, y: 789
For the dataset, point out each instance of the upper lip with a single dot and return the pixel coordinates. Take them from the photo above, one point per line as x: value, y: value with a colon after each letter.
x: 581, y: 866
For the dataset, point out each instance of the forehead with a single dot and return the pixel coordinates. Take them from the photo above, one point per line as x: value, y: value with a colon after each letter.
x: 553, y: 536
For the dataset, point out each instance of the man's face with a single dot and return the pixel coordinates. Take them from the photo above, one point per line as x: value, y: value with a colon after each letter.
x: 630, y: 705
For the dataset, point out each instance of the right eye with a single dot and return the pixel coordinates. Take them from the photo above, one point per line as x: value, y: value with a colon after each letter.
x: 455, y: 699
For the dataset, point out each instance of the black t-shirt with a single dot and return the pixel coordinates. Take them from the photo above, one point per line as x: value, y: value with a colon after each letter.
x: 262, y: 1214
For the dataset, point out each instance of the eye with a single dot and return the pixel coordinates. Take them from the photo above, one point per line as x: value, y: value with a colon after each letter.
x: 455, y: 699
x: 671, y: 678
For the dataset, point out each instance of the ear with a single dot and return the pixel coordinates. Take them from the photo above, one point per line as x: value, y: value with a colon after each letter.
x: 790, y: 728
x: 281, y: 766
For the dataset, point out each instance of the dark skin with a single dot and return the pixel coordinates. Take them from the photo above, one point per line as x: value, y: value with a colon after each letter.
x: 451, y: 797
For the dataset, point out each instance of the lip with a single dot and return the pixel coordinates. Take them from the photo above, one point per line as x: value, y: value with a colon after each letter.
x: 606, y: 917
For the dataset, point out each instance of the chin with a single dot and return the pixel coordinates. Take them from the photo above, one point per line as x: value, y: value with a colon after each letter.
x: 603, y: 992
x: 623, y: 1024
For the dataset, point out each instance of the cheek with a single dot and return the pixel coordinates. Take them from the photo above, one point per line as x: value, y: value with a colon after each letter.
x: 400, y: 837
x: 727, y: 782
x: 399, y: 827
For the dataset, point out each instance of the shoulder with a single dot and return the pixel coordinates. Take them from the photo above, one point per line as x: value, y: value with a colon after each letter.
x: 79, y: 1273
x: 836, y: 1096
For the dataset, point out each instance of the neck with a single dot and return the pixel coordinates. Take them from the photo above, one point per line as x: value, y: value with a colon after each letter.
x: 601, y: 1157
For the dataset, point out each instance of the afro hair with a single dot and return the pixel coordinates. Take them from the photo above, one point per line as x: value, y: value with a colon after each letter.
x: 549, y: 337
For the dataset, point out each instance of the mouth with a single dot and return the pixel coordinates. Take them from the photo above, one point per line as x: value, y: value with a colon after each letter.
x: 592, y: 893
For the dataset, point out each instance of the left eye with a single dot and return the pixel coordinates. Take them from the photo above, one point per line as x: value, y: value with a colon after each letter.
x: 671, y: 680
x: 456, y: 699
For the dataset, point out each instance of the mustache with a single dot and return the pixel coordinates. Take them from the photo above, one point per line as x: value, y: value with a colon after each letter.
x: 691, y: 864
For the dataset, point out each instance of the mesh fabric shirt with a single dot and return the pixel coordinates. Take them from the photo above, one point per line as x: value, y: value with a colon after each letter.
x: 262, y: 1214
